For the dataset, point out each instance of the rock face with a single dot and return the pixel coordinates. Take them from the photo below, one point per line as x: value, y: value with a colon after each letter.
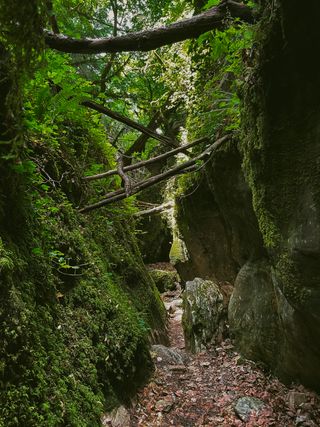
x: 281, y: 161
x: 155, y: 238
x: 204, y: 314
x: 255, y: 218
x: 217, y: 222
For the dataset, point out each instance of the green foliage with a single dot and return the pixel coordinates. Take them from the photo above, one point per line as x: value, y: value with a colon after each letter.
x: 21, y: 44
x: 211, y: 3
x: 6, y: 263
x: 219, y: 63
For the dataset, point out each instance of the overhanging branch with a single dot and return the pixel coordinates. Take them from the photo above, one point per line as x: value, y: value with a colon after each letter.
x: 214, y: 18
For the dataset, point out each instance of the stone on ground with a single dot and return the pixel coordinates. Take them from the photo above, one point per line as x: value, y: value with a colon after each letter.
x: 245, y: 406
x: 119, y: 417
x: 166, y: 355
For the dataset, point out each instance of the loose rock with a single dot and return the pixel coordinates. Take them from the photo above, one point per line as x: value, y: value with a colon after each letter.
x: 168, y: 355
x: 165, y: 405
x: 119, y: 417
x: 296, y: 399
x: 245, y: 406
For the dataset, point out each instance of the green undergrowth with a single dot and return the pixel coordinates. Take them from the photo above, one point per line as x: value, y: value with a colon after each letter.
x: 77, y: 305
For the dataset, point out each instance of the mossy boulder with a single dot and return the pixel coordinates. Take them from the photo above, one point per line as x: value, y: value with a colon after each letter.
x: 164, y: 280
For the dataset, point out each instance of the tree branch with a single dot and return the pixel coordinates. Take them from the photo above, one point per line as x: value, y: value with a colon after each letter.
x: 152, y: 39
x: 106, y: 70
x: 147, y: 162
x: 139, y: 144
x: 131, y: 123
x: 121, y: 194
x: 125, y: 178
x: 52, y: 18
x: 154, y: 210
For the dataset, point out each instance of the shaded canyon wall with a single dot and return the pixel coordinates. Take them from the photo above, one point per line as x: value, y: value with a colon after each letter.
x: 255, y: 218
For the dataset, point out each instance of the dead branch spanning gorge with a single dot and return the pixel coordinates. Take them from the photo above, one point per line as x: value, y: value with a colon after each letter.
x: 147, y: 162
x: 186, y: 166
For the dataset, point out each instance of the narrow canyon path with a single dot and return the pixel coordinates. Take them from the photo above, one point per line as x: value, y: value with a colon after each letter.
x: 216, y: 388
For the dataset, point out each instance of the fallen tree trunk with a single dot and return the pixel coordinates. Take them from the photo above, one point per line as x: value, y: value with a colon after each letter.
x: 214, y: 18
x: 121, y: 194
x: 147, y: 162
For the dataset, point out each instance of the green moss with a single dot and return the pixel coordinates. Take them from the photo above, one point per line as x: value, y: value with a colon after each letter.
x: 279, y: 152
x: 290, y: 281
x: 164, y: 280
x: 178, y: 251
x: 274, y: 185
x: 77, y: 305
x: 6, y: 262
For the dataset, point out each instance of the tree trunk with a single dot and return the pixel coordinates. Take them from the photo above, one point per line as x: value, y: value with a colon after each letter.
x: 215, y: 18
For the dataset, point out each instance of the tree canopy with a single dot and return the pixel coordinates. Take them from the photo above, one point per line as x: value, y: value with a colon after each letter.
x: 140, y: 91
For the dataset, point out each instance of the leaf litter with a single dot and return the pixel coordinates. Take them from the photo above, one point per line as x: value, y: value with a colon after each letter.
x: 205, y: 390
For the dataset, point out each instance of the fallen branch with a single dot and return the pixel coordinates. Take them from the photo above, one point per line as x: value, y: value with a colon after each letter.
x: 157, y: 209
x: 125, y: 178
x: 139, y: 144
x: 121, y: 194
x: 131, y: 123
x: 214, y: 18
x: 147, y: 162
x: 106, y: 70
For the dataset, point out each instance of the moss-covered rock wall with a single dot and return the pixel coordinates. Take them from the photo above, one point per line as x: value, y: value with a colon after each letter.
x: 281, y: 161
x: 77, y: 306
x: 256, y: 216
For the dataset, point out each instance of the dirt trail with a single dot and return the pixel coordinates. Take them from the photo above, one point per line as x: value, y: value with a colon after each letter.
x: 204, y: 389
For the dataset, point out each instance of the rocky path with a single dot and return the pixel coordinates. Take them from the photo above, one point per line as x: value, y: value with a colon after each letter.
x: 216, y: 388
